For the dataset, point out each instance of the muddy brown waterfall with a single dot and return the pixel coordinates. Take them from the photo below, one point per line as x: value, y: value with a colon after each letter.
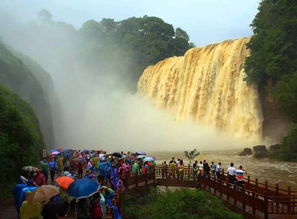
x: 207, y: 85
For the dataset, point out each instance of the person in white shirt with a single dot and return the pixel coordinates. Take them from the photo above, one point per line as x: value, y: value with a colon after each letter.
x: 218, y: 170
x: 231, y: 171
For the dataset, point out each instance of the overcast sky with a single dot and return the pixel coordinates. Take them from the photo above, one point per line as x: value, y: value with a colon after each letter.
x: 206, y: 21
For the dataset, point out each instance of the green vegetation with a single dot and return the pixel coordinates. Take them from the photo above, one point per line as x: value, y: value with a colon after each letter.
x: 131, y: 44
x: 272, y: 65
x: 25, y: 77
x: 191, y: 155
x: 184, y: 203
x: 20, y: 138
x: 122, y: 49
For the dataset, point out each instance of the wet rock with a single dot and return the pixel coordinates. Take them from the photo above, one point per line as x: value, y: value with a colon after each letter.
x: 259, y: 148
x: 246, y: 151
x: 274, y: 147
x: 261, y: 154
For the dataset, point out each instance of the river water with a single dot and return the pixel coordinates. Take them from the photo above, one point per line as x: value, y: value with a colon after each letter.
x: 283, y: 173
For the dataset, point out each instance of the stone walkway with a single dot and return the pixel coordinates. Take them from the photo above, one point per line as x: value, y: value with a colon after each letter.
x: 7, y: 209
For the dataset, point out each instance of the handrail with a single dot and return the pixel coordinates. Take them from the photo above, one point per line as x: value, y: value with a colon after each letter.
x: 257, y: 199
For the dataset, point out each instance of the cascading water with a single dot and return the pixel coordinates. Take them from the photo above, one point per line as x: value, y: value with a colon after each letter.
x: 206, y: 85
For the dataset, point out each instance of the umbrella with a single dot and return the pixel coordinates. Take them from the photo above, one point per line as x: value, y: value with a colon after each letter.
x: 140, y: 153
x: 30, y: 168
x: 148, y: 159
x: 43, y: 193
x: 64, y: 181
x: 86, y: 151
x: 141, y: 156
x: 53, y: 150
x: 83, y: 188
x: 60, y: 149
x: 55, y: 153
x: 117, y: 154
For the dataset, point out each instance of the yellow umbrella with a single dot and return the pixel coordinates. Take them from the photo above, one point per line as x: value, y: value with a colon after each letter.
x: 43, y: 193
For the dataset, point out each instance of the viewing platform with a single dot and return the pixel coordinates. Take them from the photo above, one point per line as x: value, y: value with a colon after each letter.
x: 253, y: 200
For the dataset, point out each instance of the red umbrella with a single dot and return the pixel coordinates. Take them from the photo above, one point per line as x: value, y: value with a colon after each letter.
x: 64, y: 181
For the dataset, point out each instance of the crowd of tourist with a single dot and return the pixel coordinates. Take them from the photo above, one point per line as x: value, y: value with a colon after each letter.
x: 105, y: 177
x: 109, y: 171
x: 176, y: 169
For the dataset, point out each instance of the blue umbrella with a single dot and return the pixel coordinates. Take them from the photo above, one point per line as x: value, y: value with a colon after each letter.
x: 148, y: 159
x: 86, y: 151
x: 83, y: 188
x: 53, y: 150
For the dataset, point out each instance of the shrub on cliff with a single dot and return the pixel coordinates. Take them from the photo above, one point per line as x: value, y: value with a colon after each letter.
x: 184, y: 203
x: 20, y: 137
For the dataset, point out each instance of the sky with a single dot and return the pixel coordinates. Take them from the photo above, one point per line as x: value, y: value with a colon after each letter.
x: 206, y: 21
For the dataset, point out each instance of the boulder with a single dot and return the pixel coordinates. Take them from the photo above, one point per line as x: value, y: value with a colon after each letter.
x: 261, y: 154
x: 246, y: 151
x: 274, y: 147
x: 259, y: 148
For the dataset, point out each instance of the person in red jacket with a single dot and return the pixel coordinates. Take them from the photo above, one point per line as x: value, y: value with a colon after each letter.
x: 39, y: 179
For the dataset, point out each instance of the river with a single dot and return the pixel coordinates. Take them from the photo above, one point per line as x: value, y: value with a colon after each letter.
x: 283, y: 173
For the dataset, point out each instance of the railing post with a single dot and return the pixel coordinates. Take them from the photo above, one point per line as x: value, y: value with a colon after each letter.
x: 289, y: 200
x: 266, y: 186
x: 189, y: 172
x: 254, y: 205
x: 166, y: 172
x: 265, y: 203
x: 277, y: 191
x: 256, y: 184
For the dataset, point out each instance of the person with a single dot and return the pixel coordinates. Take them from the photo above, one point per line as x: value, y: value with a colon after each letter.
x: 212, y: 168
x: 109, y: 195
x: 45, y: 169
x: 195, y: 170
x: 135, y: 168
x: 172, y: 166
x: 181, y: 169
x: 200, y: 169
x: 71, y: 210
x: 95, y: 207
x: 218, y: 170
x: 172, y: 161
x: 83, y: 209
x: 206, y: 169
x: 164, y: 167
x: 102, y: 204
x: 90, y: 175
x: 240, y: 176
x: 39, y: 179
x: 60, y: 164
x: 30, y: 210
x: 52, y: 209
x: 52, y: 166
x: 231, y: 171
x: 79, y: 170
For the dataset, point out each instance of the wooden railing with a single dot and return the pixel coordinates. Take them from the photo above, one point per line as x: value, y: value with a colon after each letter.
x: 253, y: 198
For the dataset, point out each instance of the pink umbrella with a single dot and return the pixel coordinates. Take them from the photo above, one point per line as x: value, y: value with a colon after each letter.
x: 55, y: 153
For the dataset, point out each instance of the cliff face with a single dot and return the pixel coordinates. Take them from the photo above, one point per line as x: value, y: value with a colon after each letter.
x: 206, y: 85
x: 26, y: 78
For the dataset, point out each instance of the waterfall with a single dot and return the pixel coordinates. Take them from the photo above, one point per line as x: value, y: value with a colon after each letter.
x: 207, y: 85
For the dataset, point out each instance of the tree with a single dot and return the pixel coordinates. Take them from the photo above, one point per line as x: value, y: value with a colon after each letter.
x: 45, y: 15
x: 191, y: 155
x: 272, y: 65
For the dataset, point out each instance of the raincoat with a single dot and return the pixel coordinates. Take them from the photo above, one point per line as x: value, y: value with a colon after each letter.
x: 30, y: 210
